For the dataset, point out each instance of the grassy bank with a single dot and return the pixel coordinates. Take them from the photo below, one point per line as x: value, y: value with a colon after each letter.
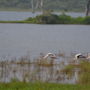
x: 16, y: 21
x: 41, y: 86
x: 54, y: 19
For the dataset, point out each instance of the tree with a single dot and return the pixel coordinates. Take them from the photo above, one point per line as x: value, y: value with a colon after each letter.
x: 88, y: 8
x: 32, y: 4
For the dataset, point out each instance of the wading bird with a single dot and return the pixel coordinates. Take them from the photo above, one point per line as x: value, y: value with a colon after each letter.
x: 80, y: 56
x: 50, y: 55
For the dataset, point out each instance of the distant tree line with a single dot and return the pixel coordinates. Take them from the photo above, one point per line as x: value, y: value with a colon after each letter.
x: 88, y: 8
x: 67, y: 5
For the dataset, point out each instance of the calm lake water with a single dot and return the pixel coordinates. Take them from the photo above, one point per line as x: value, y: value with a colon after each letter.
x: 18, y: 39
x: 12, y: 16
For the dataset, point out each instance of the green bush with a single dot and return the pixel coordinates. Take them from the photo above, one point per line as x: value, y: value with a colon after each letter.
x: 30, y: 19
x: 65, y: 19
x: 47, y: 19
x: 86, y: 20
x: 78, y: 20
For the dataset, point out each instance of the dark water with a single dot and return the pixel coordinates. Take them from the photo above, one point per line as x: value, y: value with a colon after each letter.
x: 6, y: 15
x: 18, y: 39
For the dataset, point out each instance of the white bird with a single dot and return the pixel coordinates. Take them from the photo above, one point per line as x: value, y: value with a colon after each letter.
x: 80, y: 56
x: 50, y: 55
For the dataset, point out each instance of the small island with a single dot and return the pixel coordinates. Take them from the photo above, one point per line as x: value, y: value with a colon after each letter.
x: 53, y: 19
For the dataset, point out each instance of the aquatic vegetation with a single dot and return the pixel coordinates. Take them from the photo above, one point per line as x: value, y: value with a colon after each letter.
x: 84, y: 76
x: 26, y: 70
x: 44, y: 70
x: 82, y: 69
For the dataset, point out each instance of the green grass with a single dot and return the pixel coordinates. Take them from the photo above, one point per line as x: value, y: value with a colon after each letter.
x: 16, y: 21
x: 41, y: 86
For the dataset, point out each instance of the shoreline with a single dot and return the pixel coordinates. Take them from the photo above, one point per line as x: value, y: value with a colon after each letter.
x: 27, y: 22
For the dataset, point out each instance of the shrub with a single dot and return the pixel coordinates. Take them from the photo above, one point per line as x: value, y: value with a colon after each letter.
x: 30, y: 19
x: 78, y: 20
x: 47, y: 19
x: 65, y: 19
x: 55, y: 19
x: 86, y: 20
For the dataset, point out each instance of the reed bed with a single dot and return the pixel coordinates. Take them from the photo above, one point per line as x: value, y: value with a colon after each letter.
x: 26, y: 70
x: 44, y: 70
